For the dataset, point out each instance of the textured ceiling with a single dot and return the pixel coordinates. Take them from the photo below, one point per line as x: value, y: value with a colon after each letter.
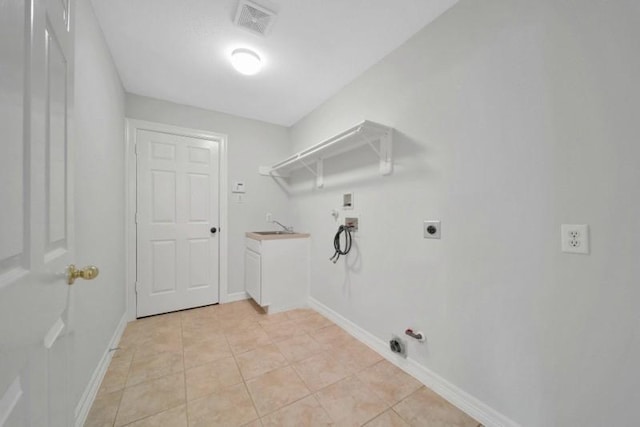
x: 178, y: 50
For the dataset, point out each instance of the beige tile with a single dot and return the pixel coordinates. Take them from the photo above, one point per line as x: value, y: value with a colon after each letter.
x: 333, y: 336
x: 424, y: 407
x: 260, y: 361
x: 276, y: 389
x: 273, y: 319
x: 169, y: 341
x: 229, y: 407
x: 362, y: 354
x: 196, y: 334
x: 306, y: 412
x: 206, y: 352
x: 248, y: 340
x: 147, y: 328
x: 313, y: 322
x: 389, y: 382
x: 176, y: 417
x: 116, y: 376
x: 208, y: 312
x: 236, y: 326
x: 131, y: 330
x: 123, y: 354
x: 355, y: 356
x: 210, y: 322
x: 299, y: 347
x: 161, y: 321
x: 281, y: 330
x: 200, y: 318
x: 150, y: 398
x: 237, y: 320
x: 321, y: 370
x: 254, y: 423
x: 387, y: 419
x: 156, y: 366
x: 350, y: 402
x: 255, y: 307
x: 212, y: 377
x: 239, y: 308
x: 104, y: 409
x: 299, y: 313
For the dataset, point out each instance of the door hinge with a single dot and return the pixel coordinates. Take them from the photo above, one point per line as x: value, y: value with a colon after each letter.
x: 135, y: 148
x: 137, y: 217
x: 136, y: 287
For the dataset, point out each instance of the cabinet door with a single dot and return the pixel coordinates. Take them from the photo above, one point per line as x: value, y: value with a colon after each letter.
x: 253, y: 275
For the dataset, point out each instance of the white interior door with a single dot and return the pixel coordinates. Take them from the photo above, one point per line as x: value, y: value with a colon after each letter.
x: 36, y: 227
x: 177, y: 220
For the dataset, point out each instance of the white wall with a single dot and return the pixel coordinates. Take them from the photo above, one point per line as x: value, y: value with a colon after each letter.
x: 251, y: 143
x: 99, y: 196
x: 511, y: 118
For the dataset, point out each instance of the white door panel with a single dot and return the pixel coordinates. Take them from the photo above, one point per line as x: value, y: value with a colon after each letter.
x: 199, y: 271
x: 36, y: 226
x: 177, y: 204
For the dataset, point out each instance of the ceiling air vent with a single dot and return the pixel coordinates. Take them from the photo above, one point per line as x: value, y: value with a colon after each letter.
x: 253, y: 17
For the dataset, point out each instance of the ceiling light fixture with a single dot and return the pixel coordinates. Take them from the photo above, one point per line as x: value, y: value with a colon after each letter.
x: 246, y: 61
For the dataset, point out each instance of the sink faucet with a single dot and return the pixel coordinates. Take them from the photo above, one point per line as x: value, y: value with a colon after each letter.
x: 287, y: 229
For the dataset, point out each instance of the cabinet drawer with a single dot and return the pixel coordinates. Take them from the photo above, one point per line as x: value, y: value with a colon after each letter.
x: 254, y: 245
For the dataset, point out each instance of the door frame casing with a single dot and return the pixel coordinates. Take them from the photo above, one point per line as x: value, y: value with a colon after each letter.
x: 131, y: 183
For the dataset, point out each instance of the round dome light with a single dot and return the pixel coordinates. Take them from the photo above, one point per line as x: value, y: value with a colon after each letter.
x: 246, y: 61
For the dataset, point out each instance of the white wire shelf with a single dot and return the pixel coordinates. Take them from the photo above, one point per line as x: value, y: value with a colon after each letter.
x: 375, y: 135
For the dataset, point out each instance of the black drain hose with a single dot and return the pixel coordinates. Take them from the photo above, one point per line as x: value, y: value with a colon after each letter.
x: 336, y: 243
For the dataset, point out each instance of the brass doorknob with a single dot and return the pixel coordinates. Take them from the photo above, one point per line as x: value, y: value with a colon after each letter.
x: 88, y: 273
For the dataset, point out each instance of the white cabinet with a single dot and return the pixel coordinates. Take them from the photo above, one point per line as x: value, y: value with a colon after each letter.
x: 276, y: 273
x: 253, y: 274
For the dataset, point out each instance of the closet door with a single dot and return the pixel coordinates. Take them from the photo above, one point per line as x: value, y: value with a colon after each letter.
x: 177, y: 222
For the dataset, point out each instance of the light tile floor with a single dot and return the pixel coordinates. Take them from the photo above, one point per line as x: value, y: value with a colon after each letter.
x: 233, y: 365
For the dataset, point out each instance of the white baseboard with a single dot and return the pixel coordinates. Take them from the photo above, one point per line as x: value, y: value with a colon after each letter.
x: 274, y: 308
x: 10, y: 400
x: 458, y: 397
x: 236, y: 296
x: 89, y: 395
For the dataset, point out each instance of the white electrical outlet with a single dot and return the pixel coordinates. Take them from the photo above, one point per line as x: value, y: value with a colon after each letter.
x: 575, y: 238
x: 269, y: 217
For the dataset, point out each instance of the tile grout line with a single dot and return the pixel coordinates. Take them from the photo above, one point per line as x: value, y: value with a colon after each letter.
x: 402, y: 400
x: 184, y: 371
x: 340, y: 380
x: 295, y: 401
x: 246, y: 388
x: 327, y: 348
x: 323, y: 408
x: 152, y: 415
x: 133, y: 354
x: 290, y: 364
x: 163, y: 376
x: 154, y: 379
x: 396, y: 412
